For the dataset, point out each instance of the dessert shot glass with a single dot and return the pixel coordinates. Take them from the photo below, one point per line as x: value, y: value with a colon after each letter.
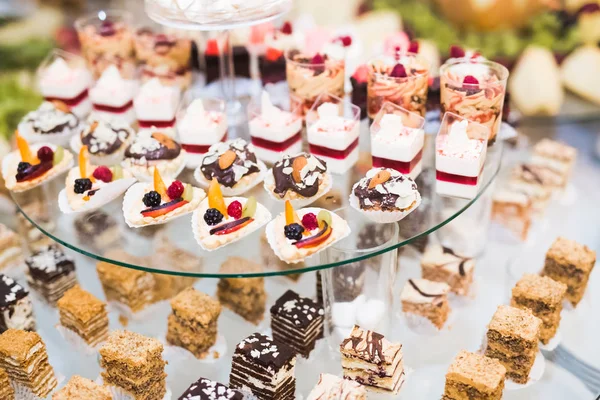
x: 107, y: 39
x: 308, y: 77
x: 360, y: 292
x: 474, y: 89
x: 401, y: 79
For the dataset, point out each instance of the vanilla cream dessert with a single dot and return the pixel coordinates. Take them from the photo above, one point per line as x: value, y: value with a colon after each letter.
x: 67, y: 83
x: 459, y: 162
x: 333, y: 137
x: 156, y: 104
x: 112, y: 96
x: 396, y: 145
x: 274, y: 132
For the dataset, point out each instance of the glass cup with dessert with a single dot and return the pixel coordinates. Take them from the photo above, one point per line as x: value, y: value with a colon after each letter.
x: 401, y: 78
x: 474, y: 89
x: 309, y: 76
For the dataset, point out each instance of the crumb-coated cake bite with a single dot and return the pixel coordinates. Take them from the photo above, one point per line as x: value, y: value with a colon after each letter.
x: 442, y: 264
x: 6, y: 390
x: 85, y: 314
x: 205, y: 389
x: 15, y: 306
x: 331, y: 387
x: 385, y: 195
x: 427, y: 299
x: 538, y: 174
x: 106, y: 140
x: 79, y: 388
x: 474, y: 376
x: 51, y: 273
x: 514, y: 210
x: 244, y: 296
x: 555, y: 155
x: 52, y: 122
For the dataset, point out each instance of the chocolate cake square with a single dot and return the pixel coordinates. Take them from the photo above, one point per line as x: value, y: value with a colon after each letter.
x: 427, y: 299
x: 474, y: 376
x: 205, y: 389
x: 15, y: 306
x: 84, y: 314
x: 79, y: 388
x: 442, y: 264
x: 51, y: 273
x: 97, y: 229
x: 244, y: 296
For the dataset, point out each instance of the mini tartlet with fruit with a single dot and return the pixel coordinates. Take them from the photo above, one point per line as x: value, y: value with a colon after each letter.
x: 295, y: 235
x: 91, y: 186
x: 30, y: 166
x: 160, y: 201
x: 220, y: 221
x: 234, y: 165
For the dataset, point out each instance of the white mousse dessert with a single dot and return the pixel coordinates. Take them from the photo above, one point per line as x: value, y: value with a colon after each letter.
x: 112, y: 96
x: 397, y: 146
x: 59, y: 81
x: 156, y: 104
x: 459, y: 162
x: 334, y: 138
x: 275, y: 132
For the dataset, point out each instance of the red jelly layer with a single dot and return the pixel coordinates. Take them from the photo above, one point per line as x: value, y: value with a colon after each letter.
x: 452, y: 178
x: 274, y: 146
x: 337, y: 154
x: 72, y: 102
x: 114, y: 110
x: 199, y: 148
x: 404, y: 167
x: 158, y: 124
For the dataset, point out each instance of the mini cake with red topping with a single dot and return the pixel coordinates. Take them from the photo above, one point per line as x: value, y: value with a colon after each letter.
x: 156, y: 104
x: 202, y: 124
x: 52, y: 122
x: 274, y: 132
x: 333, y: 128
x: 301, y: 178
x: 112, y: 96
x: 106, y: 140
x: 28, y: 167
x: 358, y: 80
x: 234, y: 165
x: 241, y: 61
x: 151, y: 149
x: 277, y: 42
x: 221, y: 221
x: 385, y: 195
x: 460, y: 150
x: 294, y: 236
x: 160, y: 201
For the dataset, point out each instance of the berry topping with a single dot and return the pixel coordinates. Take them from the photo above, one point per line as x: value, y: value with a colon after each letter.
x: 152, y: 199
x: 470, y: 80
x: 413, y: 47
x: 22, y: 167
x: 457, y: 52
x: 234, y: 209
x: 45, y: 153
x: 293, y: 231
x: 317, y: 59
x: 103, y: 173
x: 213, y: 216
x: 286, y: 28
x: 345, y: 40
x: 309, y: 221
x: 589, y: 8
x: 175, y: 190
x: 107, y: 29
x: 212, y: 48
x: 398, y: 71
x: 82, y: 185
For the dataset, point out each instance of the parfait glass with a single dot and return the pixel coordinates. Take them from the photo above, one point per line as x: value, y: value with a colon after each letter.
x: 474, y: 89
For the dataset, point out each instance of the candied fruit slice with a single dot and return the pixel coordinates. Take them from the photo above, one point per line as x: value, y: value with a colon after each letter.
x: 159, y: 184
x: 215, y: 197
x: 83, y: 161
x: 25, y: 150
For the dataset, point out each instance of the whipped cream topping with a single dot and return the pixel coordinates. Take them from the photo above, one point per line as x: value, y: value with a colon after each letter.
x: 274, y: 116
x: 156, y: 102
x: 392, y: 129
x: 112, y: 90
x: 144, y: 142
x: 330, y: 120
x: 61, y: 81
x: 282, y: 41
x: 197, y: 116
x: 458, y: 144
x: 106, y: 135
x: 49, y: 119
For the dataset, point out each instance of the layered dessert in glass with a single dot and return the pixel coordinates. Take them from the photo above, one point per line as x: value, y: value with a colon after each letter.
x: 63, y: 76
x: 460, y: 150
x: 202, y: 123
x: 156, y: 104
x: 277, y: 42
x: 309, y: 76
x: 333, y: 127
x: 107, y: 39
x: 474, y: 89
x: 401, y: 79
x: 163, y: 55
x: 273, y: 131
x: 397, y: 139
x: 112, y: 96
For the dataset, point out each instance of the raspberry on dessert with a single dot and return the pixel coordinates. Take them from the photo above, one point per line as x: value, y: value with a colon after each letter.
x: 82, y: 185
x: 152, y: 199
x: 399, y: 71
x: 470, y: 80
x: 212, y: 216
x: 22, y: 166
x: 212, y: 48
x: 273, y: 54
x: 310, y: 222
x: 293, y: 231
x: 235, y: 209
x: 413, y: 47
x: 286, y: 28
x: 45, y: 153
x: 103, y: 173
x: 317, y: 59
x: 345, y: 40
x: 175, y: 190
x: 456, y: 51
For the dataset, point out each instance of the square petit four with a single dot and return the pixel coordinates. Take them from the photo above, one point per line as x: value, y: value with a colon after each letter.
x: 372, y: 360
x: 244, y: 296
x: 571, y: 263
x: 442, y: 264
x: 514, y: 210
x: 427, y: 299
x: 156, y: 104
x: 64, y: 77
x: 200, y: 125
x: 6, y: 390
x: 205, y: 389
x: 331, y: 387
x: 474, y: 376
x: 83, y: 313
x: 512, y: 339
x: 460, y: 150
x: 273, y: 131
x: 264, y: 367
x: 397, y: 139
x: 555, y: 155
x: 112, y: 96
x: 11, y: 251
x: 79, y: 388
x: 538, y: 174
x: 332, y: 130
x: 51, y: 273
x: 15, y: 306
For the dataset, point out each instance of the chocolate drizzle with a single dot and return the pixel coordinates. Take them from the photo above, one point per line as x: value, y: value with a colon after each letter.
x: 527, y: 169
x: 463, y: 260
x: 386, y: 200
x: 99, y: 145
x: 309, y: 185
x: 414, y: 286
x: 373, y: 345
x: 244, y: 164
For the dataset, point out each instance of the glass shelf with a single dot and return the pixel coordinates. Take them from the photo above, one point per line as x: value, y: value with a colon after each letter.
x: 161, y: 248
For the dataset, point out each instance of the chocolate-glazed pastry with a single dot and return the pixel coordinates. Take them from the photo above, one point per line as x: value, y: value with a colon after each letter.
x: 106, y: 137
x: 229, y: 162
x: 51, y: 118
x: 154, y: 146
x: 306, y: 182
